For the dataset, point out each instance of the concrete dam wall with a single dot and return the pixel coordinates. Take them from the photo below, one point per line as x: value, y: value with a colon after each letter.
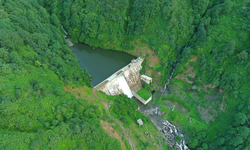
x: 124, y: 81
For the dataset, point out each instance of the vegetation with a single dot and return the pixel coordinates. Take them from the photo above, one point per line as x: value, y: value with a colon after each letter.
x: 36, y: 64
x: 143, y: 93
x: 125, y: 109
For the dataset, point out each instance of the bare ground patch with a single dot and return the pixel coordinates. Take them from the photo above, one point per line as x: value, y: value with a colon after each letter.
x: 207, y: 114
x: 143, y: 50
x: 152, y: 60
x: 111, y: 132
x: 214, y: 103
x: 76, y: 90
x: 209, y: 86
x: 208, y: 105
x: 80, y: 92
x: 156, y: 77
x: 189, y: 72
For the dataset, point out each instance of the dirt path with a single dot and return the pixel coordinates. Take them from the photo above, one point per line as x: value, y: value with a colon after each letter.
x: 106, y: 106
x: 111, y: 132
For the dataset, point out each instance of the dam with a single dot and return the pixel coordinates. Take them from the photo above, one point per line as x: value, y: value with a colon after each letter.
x: 126, y: 81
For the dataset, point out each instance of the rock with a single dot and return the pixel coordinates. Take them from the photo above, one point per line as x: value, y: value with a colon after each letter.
x: 170, y: 133
x: 195, y: 88
x: 173, y: 108
x: 159, y: 113
x: 156, y: 110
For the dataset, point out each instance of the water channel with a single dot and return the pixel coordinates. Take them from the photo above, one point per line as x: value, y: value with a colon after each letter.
x: 99, y: 62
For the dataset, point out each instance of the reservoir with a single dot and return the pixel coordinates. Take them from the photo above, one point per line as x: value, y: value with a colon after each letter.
x: 100, y: 63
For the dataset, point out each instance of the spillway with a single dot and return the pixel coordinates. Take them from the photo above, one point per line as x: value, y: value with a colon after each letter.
x: 124, y: 86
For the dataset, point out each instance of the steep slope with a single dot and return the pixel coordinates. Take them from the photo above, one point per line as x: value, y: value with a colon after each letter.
x: 35, y: 65
x: 214, y: 31
x: 35, y: 60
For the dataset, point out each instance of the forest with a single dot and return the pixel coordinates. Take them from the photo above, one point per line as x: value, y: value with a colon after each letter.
x: 36, y: 64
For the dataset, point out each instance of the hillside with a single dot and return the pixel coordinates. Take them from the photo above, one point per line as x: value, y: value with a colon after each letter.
x: 208, y: 40
x: 35, y: 65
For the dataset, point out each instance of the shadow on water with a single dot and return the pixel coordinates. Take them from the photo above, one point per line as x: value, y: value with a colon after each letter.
x: 99, y: 62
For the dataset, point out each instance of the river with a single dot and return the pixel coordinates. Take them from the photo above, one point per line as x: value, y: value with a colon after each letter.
x: 99, y: 62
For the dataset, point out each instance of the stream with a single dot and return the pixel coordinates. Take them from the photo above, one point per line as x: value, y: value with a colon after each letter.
x: 168, y: 130
x: 166, y: 86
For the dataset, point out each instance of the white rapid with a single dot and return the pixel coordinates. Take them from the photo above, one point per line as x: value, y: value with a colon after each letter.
x: 124, y: 86
x: 170, y: 133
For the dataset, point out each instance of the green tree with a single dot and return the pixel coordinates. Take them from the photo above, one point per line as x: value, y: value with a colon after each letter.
x: 243, y: 55
x: 219, y: 142
x: 54, y: 20
x: 200, y: 5
x: 54, y: 122
x: 4, y: 54
x: 202, y: 34
x: 235, y: 141
x: 8, y: 108
x: 35, y: 144
x: 243, y: 131
x: 229, y: 48
x: 74, y: 20
x: 30, y: 16
x: 194, y: 143
x: 10, y: 40
x: 239, y: 119
x: 204, y: 146
x: 227, y: 6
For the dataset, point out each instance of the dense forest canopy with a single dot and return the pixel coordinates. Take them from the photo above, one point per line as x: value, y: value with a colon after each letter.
x: 36, y: 64
x: 216, y: 31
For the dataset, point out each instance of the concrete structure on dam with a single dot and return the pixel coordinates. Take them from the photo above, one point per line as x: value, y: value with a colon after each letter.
x: 127, y: 81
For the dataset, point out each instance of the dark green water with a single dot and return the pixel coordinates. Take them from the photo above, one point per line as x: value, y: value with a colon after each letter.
x: 99, y: 62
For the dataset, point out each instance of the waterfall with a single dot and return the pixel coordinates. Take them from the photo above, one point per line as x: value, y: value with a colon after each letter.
x: 124, y: 86
x: 66, y: 34
x: 169, y: 80
x: 171, y: 76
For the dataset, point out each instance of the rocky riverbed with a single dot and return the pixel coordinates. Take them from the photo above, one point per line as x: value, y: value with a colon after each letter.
x: 170, y: 132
